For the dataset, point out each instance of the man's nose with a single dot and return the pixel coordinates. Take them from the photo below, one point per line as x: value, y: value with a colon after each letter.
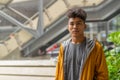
x: 75, y: 26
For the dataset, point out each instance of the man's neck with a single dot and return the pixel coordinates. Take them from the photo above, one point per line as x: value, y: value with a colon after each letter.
x: 76, y: 40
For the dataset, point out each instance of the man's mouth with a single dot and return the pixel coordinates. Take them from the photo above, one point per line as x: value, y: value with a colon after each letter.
x: 76, y: 31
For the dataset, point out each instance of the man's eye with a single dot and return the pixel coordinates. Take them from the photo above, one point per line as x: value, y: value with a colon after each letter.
x: 79, y: 23
x: 71, y: 24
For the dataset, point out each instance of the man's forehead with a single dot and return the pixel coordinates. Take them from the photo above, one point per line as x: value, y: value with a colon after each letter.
x: 75, y: 19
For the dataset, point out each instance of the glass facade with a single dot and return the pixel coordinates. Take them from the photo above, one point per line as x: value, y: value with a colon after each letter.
x: 115, y: 24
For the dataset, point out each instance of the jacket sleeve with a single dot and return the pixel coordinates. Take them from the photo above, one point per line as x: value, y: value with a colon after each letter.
x: 59, y: 65
x: 101, y: 71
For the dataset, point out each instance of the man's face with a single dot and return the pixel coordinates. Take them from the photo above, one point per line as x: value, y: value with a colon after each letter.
x: 76, y: 27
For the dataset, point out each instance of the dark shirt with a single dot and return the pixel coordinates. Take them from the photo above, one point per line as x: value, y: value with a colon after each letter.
x: 73, y: 60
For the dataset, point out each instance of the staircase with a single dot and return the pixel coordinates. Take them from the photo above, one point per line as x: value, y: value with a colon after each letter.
x: 27, y: 70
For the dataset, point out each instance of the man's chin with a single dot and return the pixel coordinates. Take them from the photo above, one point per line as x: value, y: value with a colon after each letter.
x: 75, y: 35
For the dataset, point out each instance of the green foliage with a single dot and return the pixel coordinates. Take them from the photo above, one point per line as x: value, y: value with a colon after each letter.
x: 115, y: 38
x: 113, y: 61
x: 113, y: 57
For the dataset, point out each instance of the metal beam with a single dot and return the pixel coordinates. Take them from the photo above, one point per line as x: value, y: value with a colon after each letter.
x: 31, y: 18
x: 40, y: 21
x: 19, y: 13
x: 7, y: 28
x: 14, y: 21
x: 104, y: 12
x: 48, y: 36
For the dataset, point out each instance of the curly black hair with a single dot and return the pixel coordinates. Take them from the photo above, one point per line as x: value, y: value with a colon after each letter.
x: 77, y: 12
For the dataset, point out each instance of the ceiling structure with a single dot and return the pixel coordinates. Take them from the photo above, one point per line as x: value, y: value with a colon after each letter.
x: 20, y: 10
x: 29, y: 7
x: 26, y: 7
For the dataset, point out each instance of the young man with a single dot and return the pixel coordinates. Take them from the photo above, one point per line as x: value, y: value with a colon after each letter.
x: 79, y: 57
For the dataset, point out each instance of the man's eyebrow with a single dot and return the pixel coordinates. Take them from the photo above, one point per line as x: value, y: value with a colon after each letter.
x: 79, y: 21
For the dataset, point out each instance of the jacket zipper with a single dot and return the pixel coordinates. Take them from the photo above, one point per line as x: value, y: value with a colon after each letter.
x: 86, y: 60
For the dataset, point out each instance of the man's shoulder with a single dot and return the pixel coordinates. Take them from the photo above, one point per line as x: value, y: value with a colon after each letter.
x: 65, y: 43
x: 98, y: 44
x: 93, y: 42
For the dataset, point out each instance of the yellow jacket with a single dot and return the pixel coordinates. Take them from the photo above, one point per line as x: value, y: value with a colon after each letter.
x: 95, y: 67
